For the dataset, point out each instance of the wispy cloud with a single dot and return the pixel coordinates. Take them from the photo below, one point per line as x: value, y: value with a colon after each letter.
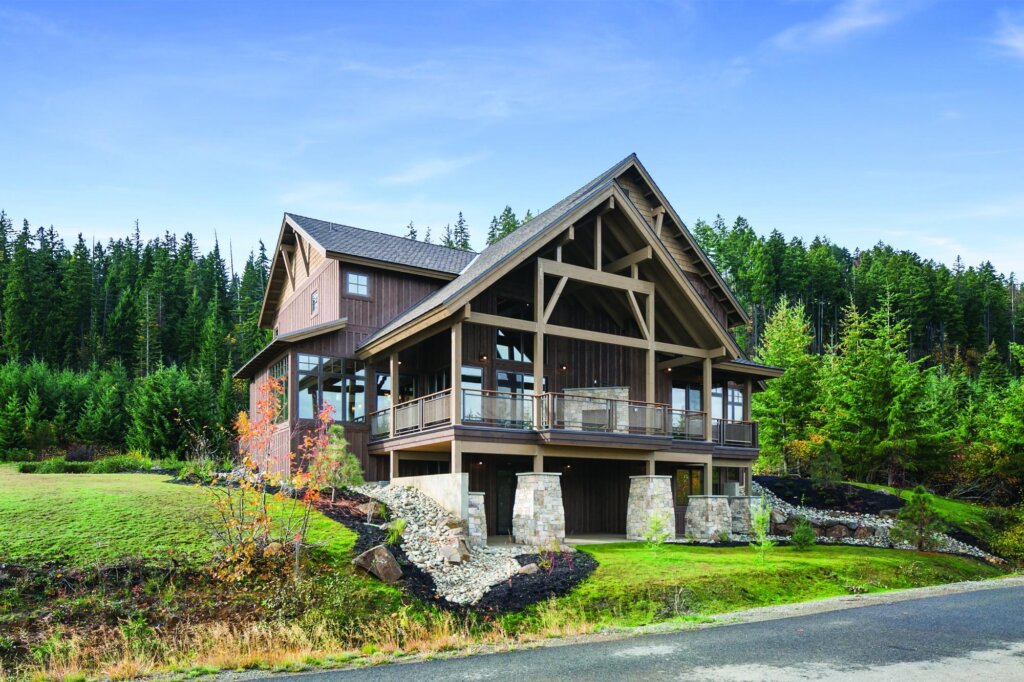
x: 1010, y: 36
x: 846, y: 19
x: 429, y: 169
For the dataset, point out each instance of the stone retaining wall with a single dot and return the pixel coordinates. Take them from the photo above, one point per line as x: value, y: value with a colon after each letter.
x: 649, y: 497
x: 538, y: 517
x: 477, y: 522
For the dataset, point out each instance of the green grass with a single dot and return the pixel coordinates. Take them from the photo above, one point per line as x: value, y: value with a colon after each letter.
x: 635, y: 585
x: 974, y: 518
x: 81, y: 520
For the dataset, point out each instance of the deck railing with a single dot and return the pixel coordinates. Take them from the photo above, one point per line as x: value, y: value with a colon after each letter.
x: 687, y: 424
x: 559, y: 411
x: 413, y: 416
x: 497, y: 408
x: 607, y: 415
x: 734, y: 432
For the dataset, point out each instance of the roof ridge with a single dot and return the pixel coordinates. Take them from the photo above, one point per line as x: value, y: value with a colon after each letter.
x: 386, y: 234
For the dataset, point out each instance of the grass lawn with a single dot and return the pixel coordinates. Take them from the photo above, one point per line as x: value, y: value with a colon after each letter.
x: 974, y: 518
x: 635, y: 585
x: 84, y: 519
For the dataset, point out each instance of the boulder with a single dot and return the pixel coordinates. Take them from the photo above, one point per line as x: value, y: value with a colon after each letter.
x: 778, y: 516
x: 273, y: 549
x: 863, y: 533
x: 370, y: 510
x: 889, y: 513
x: 528, y: 569
x: 452, y: 522
x: 379, y: 562
x: 783, y: 529
x: 839, y: 531
x: 455, y: 550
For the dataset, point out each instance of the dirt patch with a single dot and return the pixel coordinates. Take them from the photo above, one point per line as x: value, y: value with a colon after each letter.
x: 565, y: 571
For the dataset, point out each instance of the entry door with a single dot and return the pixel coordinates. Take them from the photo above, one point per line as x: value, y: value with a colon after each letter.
x: 505, y: 499
x: 688, y: 481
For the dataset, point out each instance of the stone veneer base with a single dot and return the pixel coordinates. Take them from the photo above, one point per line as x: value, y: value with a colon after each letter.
x: 538, y: 516
x: 649, y: 497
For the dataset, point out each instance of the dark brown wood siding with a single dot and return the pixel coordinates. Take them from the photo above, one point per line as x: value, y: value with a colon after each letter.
x: 391, y: 293
x: 595, y: 492
x: 296, y: 311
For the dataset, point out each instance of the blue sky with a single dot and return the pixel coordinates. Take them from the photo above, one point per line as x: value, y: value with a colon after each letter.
x: 858, y: 120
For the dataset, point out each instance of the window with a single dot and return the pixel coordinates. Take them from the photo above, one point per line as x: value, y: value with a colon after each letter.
x: 514, y: 346
x: 314, y: 302
x: 332, y: 381
x: 686, y: 396
x: 728, y: 480
x: 734, y: 407
x: 279, y: 370
x: 357, y: 284
x: 472, y: 398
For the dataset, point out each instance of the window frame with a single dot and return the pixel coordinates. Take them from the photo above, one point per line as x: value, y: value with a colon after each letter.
x: 351, y: 375
x: 368, y: 296
x: 280, y: 369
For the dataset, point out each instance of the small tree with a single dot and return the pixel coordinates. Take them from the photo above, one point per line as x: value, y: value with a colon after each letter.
x: 761, y: 523
x: 827, y: 467
x: 343, y: 467
x: 656, y: 532
x: 804, y: 536
x: 916, y: 523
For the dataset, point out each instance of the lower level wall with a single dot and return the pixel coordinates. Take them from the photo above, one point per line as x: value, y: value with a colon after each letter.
x: 451, y: 491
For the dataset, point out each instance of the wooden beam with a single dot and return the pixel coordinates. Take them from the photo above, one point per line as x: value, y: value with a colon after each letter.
x: 649, y: 383
x: 597, y: 243
x: 634, y: 258
x: 540, y: 317
x: 677, y: 362
x: 640, y: 322
x: 706, y: 400
x: 567, y: 236
x: 550, y: 307
x: 598, y: 337
x: 303, y: 252
x: 675, y: 349
x: 285, y: 250
x: 603, y: 279
x: 659, y: 217
x: 456, y: 365
x: 503, y: 322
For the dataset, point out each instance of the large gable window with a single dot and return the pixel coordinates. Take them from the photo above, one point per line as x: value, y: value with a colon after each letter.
x: 357, y: 284
x: 279, y: 371
x: 332, y: 381
x: 514, y: 346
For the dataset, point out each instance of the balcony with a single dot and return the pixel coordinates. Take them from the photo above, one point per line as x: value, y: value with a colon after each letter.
x: 559, y: 412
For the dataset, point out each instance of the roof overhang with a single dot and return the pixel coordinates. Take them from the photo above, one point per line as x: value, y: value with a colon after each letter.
x: 282, y: 342
x: 757, y: 370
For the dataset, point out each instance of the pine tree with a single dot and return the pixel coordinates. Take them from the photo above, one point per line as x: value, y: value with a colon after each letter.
x: 507, y: 222
x: 785, y: 408
x: 410, y: 231
x: 460, y: 236
x: 916, y: 524
x: 12, y: 424
x: 148, y: 354
x: 493, y: 231
x: 447, y: 237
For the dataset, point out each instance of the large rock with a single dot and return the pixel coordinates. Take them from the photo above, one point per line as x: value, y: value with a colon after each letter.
x: 863, y: 533
x: 379, y: 562
x: 454, y: 550
x: 370, y: 510
x: 838, y: 531
x: 889, y: 513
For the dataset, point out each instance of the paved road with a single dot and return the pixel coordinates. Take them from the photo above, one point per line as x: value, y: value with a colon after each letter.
x: 974, y: 635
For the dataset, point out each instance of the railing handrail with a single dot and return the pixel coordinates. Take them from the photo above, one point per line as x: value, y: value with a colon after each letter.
x: 580, y: 396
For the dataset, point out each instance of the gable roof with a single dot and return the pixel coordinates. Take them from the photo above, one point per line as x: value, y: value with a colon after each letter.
x: 346, y: 240
x: 502, y: 249
x: 537, y: 229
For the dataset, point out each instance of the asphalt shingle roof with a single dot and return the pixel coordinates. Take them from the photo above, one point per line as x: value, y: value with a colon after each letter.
x: 502, y: 249
x: 387, y: 248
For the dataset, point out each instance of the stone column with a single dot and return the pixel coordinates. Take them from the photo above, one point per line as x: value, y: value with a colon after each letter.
x: 707, y: 516
x: 477, y: 521
x: 649, y: 496
x: 743, y: 513
x: 538, y: 517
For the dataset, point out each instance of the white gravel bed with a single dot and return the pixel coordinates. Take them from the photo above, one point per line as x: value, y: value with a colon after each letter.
x: 428, y: 530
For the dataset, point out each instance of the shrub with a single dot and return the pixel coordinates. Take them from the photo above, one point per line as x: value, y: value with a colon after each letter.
x: 1009, y: 544
x: 196, y: 471
x: 120, y: 464
x: 55, y: 465
x: 28, y: 467
x: 804, y: 537
x: 341, y: 468
x: 395, y: 530
x: 17, y: 455
x: 916, y: 524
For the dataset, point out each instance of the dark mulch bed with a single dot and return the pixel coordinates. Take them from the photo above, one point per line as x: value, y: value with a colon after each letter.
x: 841, y: 497
x: 567, y: 570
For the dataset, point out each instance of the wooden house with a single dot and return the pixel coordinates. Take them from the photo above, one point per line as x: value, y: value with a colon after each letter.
x: 593, y: 341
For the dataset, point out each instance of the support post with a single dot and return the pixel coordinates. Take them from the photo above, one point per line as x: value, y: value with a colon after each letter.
x: 748, y: 394
x: 456, y: 364
x: 538, y: 344
x: 456, y: 457
x: 597, y: 243
x: 651, y: 395
x: 394, y: 391
x: 392, y: 464
x: 706, y: 395
x: 538, y: 463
